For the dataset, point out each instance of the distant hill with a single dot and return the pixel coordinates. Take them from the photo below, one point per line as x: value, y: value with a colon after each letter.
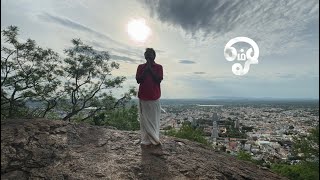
x: 45, y: 149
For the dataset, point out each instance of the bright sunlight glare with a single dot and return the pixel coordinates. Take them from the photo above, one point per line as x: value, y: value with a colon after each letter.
x: 138, y: 30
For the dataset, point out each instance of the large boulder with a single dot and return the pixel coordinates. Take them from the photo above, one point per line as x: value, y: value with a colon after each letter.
x: 47, y: 149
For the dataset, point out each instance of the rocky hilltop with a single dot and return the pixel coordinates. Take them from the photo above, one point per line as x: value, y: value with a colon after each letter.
x: 46, y: 149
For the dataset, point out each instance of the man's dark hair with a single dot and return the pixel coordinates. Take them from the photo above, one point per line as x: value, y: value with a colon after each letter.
x: 151, y: 50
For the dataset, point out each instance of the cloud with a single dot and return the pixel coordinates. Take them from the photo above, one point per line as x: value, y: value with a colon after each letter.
x: 123, y: 54
x: 124, y: 58
x: 287, y: 76
x: 250, y: 87
x: 199, y: 72
x: 186, y: 62
x: 159, y: 51
x: 278, y: 26
x: 74, y: 25
x: 128, y: 52
x: 194, y: 15
x: 96, y: 44
x: 221, y: 16
x: 120, y: 50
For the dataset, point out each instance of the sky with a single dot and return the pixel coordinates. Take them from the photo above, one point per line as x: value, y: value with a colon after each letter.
x: 189, y: 37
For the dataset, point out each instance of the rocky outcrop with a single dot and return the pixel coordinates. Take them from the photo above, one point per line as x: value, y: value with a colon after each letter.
x: 45, y: 149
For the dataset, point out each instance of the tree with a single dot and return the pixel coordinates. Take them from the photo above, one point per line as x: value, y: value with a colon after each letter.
x: 89, y: 77
x: 27, y: 72
x: 30, y: 73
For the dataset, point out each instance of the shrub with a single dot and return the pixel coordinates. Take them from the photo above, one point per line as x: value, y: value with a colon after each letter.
x: 188, y: 132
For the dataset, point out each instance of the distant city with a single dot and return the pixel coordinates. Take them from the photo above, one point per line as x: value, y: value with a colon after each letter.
x: 265, y: 129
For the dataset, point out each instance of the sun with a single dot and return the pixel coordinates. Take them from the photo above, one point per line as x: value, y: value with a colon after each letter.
x: 138, y: 30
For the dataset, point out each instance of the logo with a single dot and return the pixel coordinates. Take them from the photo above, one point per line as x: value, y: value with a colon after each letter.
x: 237, y: 68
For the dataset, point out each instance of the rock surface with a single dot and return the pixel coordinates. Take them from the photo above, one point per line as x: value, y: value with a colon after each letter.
x: 44, y: 149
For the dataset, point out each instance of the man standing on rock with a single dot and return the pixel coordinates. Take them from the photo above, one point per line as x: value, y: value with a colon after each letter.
x: 149, y: 75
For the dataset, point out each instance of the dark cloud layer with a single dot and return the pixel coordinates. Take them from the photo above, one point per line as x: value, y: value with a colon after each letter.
x: 193, y: 15
x: 217, y: 17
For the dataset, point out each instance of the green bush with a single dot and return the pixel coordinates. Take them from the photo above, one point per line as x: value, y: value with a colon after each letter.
x: 188, y: 132
x: 167, y: 127
x: 122, y: 119
x: 301, y: 171
x: 245, y: 156
x: 242, y: 155
x: 308, y: 168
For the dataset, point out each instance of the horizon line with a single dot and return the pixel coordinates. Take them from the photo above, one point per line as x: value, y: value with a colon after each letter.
x: 239, y: 98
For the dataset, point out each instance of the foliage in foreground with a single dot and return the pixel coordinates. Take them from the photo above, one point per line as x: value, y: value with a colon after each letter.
x: 306, y: 149
x: 122, y: 119
x: 301, y: 171
x: 188, y: 132
x: 78, y: 86
x: 27, y: 72
x: 242, y: 155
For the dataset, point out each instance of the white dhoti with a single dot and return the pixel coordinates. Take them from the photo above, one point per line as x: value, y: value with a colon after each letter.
x: 149, y: 112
